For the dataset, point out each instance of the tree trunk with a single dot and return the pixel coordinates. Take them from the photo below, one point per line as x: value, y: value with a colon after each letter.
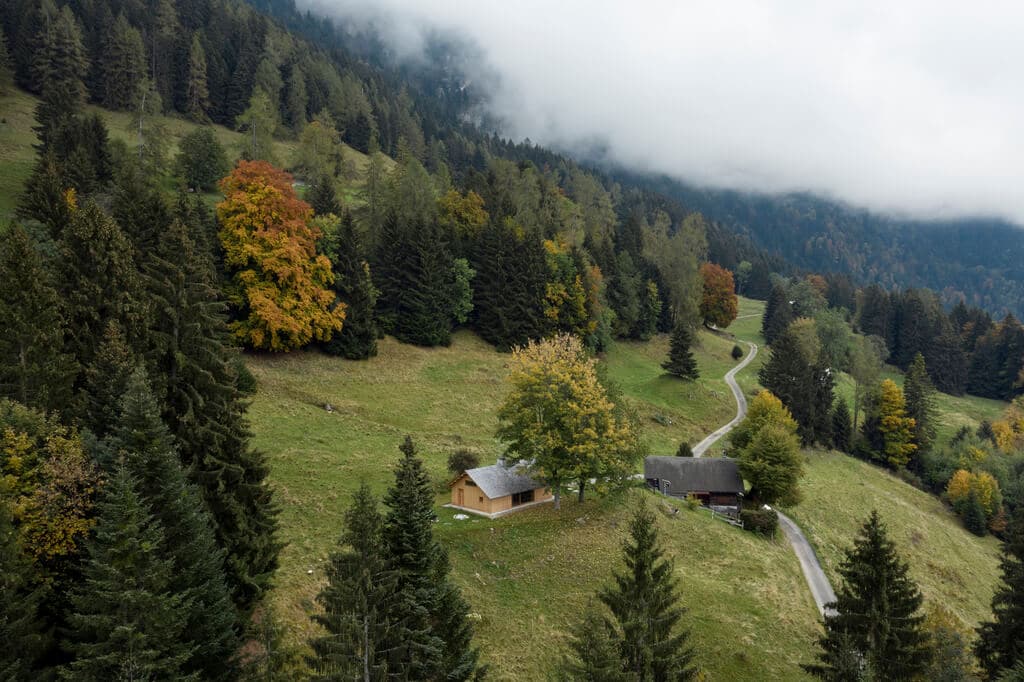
x: 558, y: 497
x: 583, y: 486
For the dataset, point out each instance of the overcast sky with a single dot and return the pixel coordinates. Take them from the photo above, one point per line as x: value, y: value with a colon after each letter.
x: 912, y: 107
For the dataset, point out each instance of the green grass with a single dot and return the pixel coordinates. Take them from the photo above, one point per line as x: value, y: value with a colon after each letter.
x: 952, y: 567
x: 17, y: 155
x: 527, y: 577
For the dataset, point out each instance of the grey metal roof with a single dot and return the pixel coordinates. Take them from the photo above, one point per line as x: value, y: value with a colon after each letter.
x: 498, y: 480
x: 696, y: 474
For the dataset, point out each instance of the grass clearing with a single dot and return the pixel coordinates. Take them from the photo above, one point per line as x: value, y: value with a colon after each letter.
x: 953, y: 567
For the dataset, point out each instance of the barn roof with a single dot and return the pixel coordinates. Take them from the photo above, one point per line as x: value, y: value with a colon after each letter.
x: 696, y: 474
x: 499, y: 480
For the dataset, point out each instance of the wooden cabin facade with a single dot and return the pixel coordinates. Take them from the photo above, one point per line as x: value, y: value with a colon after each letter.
x: 715, y: 481
x: 496, y: 490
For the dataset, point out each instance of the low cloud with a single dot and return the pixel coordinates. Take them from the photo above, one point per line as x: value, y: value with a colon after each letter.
x: 913, y: 108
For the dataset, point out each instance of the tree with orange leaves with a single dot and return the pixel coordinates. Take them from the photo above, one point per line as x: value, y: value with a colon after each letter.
x: 718, y: 306
x: 281, y: 284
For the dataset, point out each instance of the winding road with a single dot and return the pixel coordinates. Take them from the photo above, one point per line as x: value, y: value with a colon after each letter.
x: 821, y: 588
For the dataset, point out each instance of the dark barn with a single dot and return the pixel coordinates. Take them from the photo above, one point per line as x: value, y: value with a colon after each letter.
x: 716, y: 481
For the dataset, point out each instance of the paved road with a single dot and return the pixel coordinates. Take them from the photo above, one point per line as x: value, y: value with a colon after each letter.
x: 821, y: 588
x: 741, y: 404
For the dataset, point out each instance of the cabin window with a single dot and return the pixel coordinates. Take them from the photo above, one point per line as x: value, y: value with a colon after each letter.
x: 522, y: 498
x: 469, y: 481
x: 481, y: 500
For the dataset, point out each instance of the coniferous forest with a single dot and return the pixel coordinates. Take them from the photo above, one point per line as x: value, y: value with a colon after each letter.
x: 139, y: 533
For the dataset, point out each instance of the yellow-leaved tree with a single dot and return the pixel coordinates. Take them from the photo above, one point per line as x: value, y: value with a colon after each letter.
x: 559, y: 418
x: 768, y: 449
x: 896, y: 427
x: 281, y: 284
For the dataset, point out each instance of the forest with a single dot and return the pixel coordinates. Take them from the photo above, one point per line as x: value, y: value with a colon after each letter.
x: 140, y: 534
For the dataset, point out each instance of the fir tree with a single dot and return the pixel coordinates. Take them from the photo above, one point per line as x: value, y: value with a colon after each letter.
x: 145, y: 445
x: 876, y: 612
x: 437, y: 638
x: 44, y: 197
x: 681, y: 362
x: 58, y: 65
x: 104, y: 381
x: 99, y: 283
x: 594, y: 653
x: 842, y: 426
x: 322, y: 196
x: 126, y: 622
x: 33, y: 367
x: 22, y: 628
x: 415, y: 282
x: 197, y: 96
x: 197, y: 386
x: 920, y: 397
x: 1000, y: 643
x: 123, y: 65
x: 357, y: 339
x: 947, y: 361
x: 778, y: 313
x: 644, y: 603
x: 357, y: 600
x: 803, y: 385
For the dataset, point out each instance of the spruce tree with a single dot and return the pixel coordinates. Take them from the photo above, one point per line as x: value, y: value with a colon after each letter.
x: 6, y: 67
x: 842, y: 426
x: 322, y: 196
x: 947, y: 361
x: 357, y: 339
x: 778, y: 313
x: 99, y: 283
x: 197, y: 385
x: 594, y: 653
x: 22, y: 627
x: 644, y: 603
x: 681, y: 362
x: 104, y: 381
x: 876, y: 612
x: 33, y: 367
x: 123, y: 65
x: 437, y: 639
x: 145, y: 446
x: 357, y: 601
x: 804, y: 386
x: 197, y: 94
x: 126, y: 622
x: 1000, y: 643
x: 920, y: 396
x: 973, y: 514
x: 43, y: 197
x: 58, y: 65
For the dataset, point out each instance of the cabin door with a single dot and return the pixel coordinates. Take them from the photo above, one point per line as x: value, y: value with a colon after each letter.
x: 461, y: 494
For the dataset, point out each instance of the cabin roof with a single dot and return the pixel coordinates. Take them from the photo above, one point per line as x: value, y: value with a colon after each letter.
x: 499, y: 480
x: 696, y: 474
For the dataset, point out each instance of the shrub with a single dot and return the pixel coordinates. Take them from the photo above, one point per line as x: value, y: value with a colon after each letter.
x: 692, y: 502
x: 762, y: 521
x: 737, y: 352
x: 460, y: 460
x: 684, y: 450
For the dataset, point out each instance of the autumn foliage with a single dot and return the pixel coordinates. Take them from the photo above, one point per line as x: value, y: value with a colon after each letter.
x: 281, y: 283
x: 718, y: 305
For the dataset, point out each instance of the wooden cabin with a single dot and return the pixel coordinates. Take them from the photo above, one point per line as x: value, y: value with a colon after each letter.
x: 716, y: 481
x: 496, y: 490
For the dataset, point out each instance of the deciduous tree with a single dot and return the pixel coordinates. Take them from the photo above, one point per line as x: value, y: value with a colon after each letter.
x: 719, y: 305
x: 201, y: 159
x: 896, y: 427
x: 281, y: 283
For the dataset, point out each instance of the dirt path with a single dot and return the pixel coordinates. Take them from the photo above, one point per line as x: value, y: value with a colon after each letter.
x: 821, y: 588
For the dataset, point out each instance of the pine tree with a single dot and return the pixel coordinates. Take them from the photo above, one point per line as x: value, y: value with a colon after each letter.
x: 22, y: 628
x: 594, y: 653
x: 1000, y: 643
x: 920, y: 397
x: 644, y: 603
x: 206, y: 412
x: 842, y: 426
x: 415, y: 282
x: 354, y: 287
x: 33, y: 367
x: 197, y: 97
x: 145, y: 445
x: 876, y: 612
x: 778, y: 313
x: 126, y: 622
x: 323, y: 197
x: 99, y: 283
x: 104, y: 381
x: 124, y: 65
x: 437, y: 641
x: 357, y: 601
x: 681, y: 362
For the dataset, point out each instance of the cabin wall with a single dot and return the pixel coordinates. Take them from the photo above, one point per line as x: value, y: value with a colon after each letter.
x: 472, y: 496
